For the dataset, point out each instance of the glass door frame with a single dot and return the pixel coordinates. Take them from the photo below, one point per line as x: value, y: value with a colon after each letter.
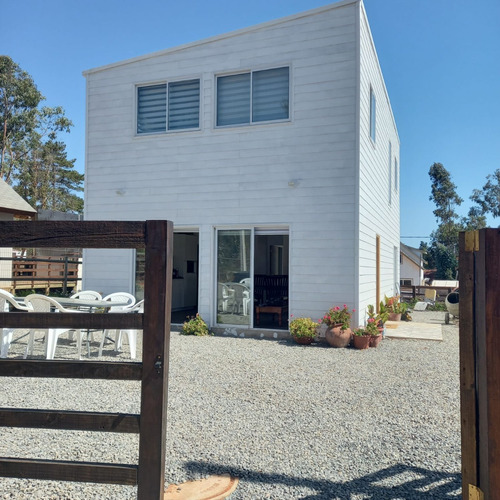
x: 241, y: 227
x: 257, y: 229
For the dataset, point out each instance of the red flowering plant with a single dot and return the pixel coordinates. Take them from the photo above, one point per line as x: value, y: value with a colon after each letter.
x: 338, y: 316
x: 372, y: 327
x: 393, y: 305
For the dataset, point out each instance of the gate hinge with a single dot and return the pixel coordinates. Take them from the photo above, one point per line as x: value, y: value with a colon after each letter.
x: 472, y: 241
x: 475, y: 493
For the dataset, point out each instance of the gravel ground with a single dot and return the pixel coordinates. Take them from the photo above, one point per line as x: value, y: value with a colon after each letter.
x: 308, y: 422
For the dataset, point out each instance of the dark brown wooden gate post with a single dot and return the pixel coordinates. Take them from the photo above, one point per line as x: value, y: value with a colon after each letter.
x: 480, y: 361
x: 157, y: 304
x: 468, y: 401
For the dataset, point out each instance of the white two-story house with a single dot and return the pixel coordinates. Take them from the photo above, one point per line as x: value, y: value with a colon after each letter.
x: 274, y: 151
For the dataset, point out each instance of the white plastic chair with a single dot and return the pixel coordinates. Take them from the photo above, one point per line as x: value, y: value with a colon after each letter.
x: 8, y: 301
x: 222, y: 297
x: 87, y: 295
x: 240, y: 298
x: 116, y: 297
x: 131, y: 334
x: 120, y: 297
x: 41, y: 303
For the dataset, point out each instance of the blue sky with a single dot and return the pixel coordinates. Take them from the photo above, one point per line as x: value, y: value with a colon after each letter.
x: 439, y: 59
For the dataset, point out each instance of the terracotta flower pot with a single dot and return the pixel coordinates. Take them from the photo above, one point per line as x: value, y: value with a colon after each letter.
x: 337, y: 337
x: 361, y: 341
x: 304, y: 340
x: 394, y: 317
x: 375, y: 340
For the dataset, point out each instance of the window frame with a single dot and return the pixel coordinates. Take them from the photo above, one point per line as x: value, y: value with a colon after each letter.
x: 390, y: 173
x: 396, y: 174
x: 373, y: 116
x: 167, y: 83
x: 251, y: 122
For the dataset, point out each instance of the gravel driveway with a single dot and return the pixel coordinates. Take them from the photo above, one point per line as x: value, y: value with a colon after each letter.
x: 292, y: 422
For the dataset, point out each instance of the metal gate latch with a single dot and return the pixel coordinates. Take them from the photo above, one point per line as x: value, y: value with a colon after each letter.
x: 158, y: 364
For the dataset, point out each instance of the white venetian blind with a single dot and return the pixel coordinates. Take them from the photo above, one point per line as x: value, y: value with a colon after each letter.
x: 233, y: 99
x: 151, y: 109
x: 270, y: 90
x: 184, y: 104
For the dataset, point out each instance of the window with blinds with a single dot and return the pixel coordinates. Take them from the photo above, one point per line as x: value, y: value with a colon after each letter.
x: 252, y: 97
x: 172, y: 106
x: 373, y: 111
x: 396, y: 173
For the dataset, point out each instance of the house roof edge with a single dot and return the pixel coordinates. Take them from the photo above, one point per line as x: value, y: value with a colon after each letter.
x: 229, y: 34
x: 411, y: 253
x: 13, y: 203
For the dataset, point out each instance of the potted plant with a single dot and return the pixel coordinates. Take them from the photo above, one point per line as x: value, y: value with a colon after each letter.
x: 338, y: 321
x: 373, y: 330
x: 381, y: 317
x: 361, y: 338
x: 303, y: 330
x: 395, y: 308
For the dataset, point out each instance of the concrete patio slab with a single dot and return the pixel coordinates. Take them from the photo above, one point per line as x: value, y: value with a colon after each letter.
x: 414, y: 330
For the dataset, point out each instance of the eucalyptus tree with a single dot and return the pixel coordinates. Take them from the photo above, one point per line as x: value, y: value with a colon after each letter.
x: 446, y: 199
x: 488, y: 198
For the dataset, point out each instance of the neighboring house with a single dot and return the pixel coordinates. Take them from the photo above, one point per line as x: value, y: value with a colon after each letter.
x: 274, y: 151
x: 412, y: 266
x: 12, y: 206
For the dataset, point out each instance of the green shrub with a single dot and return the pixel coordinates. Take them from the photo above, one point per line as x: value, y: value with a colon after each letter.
x: 437, y: 306
x: 195, y: 325
x: 302, y: 327
x: 24, y: 292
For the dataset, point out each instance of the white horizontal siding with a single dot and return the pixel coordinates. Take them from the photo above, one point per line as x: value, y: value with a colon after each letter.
x: 377, y: 215
x: 108, y: 270
x: 410, y: 270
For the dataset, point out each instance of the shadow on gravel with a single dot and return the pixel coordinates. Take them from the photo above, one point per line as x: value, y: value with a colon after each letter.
x: 397, y: 482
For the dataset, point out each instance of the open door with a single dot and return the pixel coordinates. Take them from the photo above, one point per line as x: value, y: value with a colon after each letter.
x: 184, y: 276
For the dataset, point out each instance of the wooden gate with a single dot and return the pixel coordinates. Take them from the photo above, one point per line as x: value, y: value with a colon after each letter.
x: 156, y: 237
x: 479, y: 275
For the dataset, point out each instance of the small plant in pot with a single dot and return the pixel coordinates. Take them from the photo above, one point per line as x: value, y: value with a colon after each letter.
x: 381, y: 317
x: 361, y: 338
x: 373, y: 330
x: 303, y: 330
x: 338, y: 321
x: 395, y: 308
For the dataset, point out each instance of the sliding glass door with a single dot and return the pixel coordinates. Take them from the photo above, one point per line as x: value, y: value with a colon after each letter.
x: 234, y: 271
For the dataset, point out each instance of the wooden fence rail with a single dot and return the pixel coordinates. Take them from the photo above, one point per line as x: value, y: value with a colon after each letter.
x: 36, y: 272
x: 415, y: 290
x: 150, y: 423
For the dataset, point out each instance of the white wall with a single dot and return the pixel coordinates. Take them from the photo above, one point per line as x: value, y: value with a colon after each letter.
x: 108, y: 270
x: 378, y: 212
x: 410, y: 270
